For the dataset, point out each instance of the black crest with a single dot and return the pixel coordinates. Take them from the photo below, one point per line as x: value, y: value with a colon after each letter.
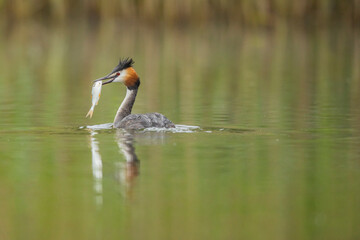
x: 123, y: 64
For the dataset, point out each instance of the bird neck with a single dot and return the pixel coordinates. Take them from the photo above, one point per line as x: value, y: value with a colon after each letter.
x: 126, y: 105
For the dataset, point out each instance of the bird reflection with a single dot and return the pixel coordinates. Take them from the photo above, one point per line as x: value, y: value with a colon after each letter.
x: 128, y: 171
x: 125, y: 172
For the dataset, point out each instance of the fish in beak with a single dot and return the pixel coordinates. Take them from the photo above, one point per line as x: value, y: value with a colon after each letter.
x: 110, y: 76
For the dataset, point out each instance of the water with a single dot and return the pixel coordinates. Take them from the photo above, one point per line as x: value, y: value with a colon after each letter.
x: 266, y: 146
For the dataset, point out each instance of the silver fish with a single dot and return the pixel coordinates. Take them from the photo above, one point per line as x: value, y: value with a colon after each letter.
x: 96, y: 92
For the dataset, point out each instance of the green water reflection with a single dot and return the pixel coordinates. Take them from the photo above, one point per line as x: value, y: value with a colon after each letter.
x: 277, y: 156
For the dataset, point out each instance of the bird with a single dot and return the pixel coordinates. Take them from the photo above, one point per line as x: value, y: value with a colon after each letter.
x: 126, y: 74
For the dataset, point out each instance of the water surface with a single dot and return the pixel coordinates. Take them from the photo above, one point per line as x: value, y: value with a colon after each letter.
x: 276, y: 154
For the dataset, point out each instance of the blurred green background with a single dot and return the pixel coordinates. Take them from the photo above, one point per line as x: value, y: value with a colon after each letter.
x: 257, y: 12
x: 273, y: 85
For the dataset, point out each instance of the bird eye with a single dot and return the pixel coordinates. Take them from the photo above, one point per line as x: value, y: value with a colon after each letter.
x: 117, y: 74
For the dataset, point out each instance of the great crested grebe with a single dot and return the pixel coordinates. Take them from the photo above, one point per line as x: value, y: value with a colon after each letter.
x: 125, y: 73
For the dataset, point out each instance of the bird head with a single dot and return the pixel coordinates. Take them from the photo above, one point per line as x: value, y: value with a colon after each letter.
x: 124, y: 73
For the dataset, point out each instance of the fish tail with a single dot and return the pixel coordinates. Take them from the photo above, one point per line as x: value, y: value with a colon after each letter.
x: 90, y: 113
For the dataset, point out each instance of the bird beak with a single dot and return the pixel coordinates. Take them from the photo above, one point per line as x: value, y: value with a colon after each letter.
x: 111, y: 76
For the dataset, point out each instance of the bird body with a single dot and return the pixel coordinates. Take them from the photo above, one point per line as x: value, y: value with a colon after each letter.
x: 147, y: 120
x: 125, y: 73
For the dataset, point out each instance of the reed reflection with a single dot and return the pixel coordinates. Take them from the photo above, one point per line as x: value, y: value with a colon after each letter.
x: 125, y: 172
